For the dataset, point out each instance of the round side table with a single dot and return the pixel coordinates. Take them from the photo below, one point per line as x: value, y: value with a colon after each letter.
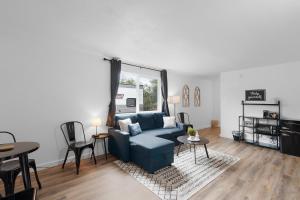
x: 101, y: 136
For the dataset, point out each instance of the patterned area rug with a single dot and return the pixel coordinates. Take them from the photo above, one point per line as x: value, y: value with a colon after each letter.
x: 184, y: 178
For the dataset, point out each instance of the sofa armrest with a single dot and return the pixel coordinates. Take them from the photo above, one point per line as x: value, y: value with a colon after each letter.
x: 118, y: 144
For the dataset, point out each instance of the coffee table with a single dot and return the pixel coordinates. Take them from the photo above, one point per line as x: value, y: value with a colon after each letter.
x: 184, y: 141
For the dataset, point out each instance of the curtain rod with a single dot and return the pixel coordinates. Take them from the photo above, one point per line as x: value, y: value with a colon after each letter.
x: 124, y: 63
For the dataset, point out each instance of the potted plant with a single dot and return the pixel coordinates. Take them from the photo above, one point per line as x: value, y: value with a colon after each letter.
x: 192, y: 133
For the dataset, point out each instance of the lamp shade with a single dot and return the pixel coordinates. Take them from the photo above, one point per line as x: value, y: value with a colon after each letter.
x: 174, y: 99
x: 96, y: 122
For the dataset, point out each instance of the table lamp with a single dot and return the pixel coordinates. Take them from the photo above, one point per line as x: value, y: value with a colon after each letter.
x: 96, y: 122
x: 174, y: 100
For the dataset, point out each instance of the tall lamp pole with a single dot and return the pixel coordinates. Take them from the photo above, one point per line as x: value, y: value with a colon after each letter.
x: 174, y: 100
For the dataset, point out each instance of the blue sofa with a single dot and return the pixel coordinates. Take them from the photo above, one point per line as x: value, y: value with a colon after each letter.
x: 152, y: 149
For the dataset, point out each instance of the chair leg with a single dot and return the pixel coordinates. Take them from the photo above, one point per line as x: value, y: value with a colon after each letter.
x: 9, y: 189
x: 93, y: 154
x: 63, y: 166
x: 93, y: 148
x: 33, y: 166
x: 13, y: 178
x: 9, y: 182
x: 77, y: 159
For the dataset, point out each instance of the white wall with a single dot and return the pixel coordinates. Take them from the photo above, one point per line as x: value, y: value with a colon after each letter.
x: 45, y: 81
x: 216, y: 98
x: 280, y: 81
x: 201, y: 116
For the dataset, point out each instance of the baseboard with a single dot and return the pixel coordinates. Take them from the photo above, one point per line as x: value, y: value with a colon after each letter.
x: 226, y: 136
x: 60, y: 162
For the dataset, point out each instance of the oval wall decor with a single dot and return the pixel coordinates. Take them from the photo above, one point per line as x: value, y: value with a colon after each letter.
x: 197, y: 97
x: 185, y: 96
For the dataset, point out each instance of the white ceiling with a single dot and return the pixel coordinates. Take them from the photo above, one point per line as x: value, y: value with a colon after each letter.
x: 194, y: 36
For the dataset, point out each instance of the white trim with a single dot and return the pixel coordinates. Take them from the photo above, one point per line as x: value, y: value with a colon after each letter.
x: 60, y: 161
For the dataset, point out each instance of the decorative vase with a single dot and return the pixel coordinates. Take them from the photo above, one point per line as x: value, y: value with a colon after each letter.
x: 191, y: 138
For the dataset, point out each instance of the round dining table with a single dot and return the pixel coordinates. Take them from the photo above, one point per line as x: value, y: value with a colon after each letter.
x: 21, y: 150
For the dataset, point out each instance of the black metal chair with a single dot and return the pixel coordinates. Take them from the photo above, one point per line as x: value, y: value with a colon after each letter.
x: 30, y: 194
x: 10, y: 169
x: 76, y: 146
x: 185, y: 119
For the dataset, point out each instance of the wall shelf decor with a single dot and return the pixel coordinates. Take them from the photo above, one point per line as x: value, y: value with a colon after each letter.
x: 197, y: 97
x: 260, y: 126
x: 185, y: 96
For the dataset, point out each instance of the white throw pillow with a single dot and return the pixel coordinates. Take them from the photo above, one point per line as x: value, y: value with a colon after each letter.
x: 169, y: 122
x: 124, y: 124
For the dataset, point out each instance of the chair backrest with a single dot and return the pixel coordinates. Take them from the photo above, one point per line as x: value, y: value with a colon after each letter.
x: 183, y: 117
x: 68, y: 130
x: 10, y: 134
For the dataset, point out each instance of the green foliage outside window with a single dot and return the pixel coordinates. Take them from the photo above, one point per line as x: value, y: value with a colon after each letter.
x: 150, y: 96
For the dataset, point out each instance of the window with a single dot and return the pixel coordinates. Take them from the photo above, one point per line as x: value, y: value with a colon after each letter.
x: 138, y: 93
x: 148, y: 94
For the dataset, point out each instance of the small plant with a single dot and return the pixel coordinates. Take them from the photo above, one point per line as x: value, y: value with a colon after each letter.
x: 191, y: 131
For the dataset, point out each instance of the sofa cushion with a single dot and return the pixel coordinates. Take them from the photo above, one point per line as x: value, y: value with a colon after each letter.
x: 164, y: 132
x: 123, y: 123
x: 118, y: 117
x: 158, y: 119
x: 146, y: 121
x: 134, y: 129
x: 169, y: 122
x: 152, y: 145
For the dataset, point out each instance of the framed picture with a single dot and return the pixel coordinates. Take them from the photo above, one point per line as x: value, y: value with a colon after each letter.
x: 255, y: 95
x: 197, y: 97
x: 185, y: 96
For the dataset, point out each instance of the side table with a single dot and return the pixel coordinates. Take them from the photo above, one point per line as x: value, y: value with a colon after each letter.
x: 101, y: 136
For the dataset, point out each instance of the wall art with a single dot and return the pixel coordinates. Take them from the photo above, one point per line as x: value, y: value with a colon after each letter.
x: 185, y: 96
x: 197, y: 97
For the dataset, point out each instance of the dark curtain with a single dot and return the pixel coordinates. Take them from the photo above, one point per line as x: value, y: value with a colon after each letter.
x: 164, y: 92
x: 115, y: 70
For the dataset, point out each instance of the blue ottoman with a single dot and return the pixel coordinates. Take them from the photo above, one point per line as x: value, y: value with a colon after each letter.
x: 151, y: 153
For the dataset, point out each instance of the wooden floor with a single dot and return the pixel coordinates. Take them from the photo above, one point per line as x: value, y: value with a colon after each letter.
x: 260, y: 174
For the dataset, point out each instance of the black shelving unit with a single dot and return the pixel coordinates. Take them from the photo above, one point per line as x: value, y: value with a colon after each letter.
x: 258, y: 126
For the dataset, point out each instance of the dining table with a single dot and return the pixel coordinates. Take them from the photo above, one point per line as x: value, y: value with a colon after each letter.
x: 21, y: 150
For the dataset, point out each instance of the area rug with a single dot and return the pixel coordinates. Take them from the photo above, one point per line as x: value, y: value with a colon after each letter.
x: 184, y: 178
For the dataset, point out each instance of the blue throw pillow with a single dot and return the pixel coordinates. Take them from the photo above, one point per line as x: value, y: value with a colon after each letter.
x: 134, y: 129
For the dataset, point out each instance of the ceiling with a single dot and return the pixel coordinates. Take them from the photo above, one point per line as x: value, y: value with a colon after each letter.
x: 195, y: 36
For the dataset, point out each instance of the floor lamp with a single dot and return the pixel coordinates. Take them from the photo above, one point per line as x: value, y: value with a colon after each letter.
x: 174, y: 100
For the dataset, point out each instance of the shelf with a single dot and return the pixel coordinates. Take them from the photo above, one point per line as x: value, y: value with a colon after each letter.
x: 261, y: 104
x: 267, y: 134
x: 249, y: 117
x: 247, y: 126
x: 261, y: 133
x: 248, y: 132
x: 260, y: 126
x: 261, y: 145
